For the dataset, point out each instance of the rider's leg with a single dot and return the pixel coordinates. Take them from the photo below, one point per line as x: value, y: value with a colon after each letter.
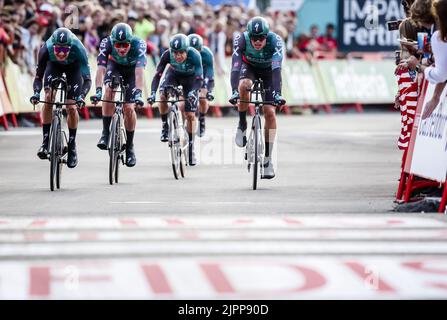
x: 203, y: 109
x: 244, y: 85
x: 190, y: 124
x: 47, y: 110
x: 190, y: 127
x: 241, y: 137
x: 168, y: 79
x: 130, y: 121
x: 72, y: 121
x: 269, y: 129
x: 164, y: 109
x: 47, y: 114
x: 108, y: 110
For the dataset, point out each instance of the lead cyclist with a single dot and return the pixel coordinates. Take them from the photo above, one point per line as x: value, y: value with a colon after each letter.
x: 257, y: 54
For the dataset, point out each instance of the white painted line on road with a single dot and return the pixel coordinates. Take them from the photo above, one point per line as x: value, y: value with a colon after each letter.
x: 162, y: 248
x: 198, y: 203
x: 137, y: 202
x: 222, y: 221
x: 221, y: 235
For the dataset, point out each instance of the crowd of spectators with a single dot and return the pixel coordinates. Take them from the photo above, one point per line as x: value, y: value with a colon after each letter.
x: 425, y: 16
x: 25, y: 24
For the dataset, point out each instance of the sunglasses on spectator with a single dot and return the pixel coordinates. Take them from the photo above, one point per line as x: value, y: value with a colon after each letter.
x: 258, y: 38
x: 59, y: 49
x: 124, y: 45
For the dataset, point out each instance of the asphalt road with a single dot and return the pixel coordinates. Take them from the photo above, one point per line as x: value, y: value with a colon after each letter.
x: 323, y: 228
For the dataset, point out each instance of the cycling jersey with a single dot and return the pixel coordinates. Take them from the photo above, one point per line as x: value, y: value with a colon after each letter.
x: 75, y: 67
x: 268, y: 58
x: 191, y: 67
x: 135, y: 57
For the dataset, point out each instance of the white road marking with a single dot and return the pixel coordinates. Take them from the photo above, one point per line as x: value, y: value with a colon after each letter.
x: 220, y: 235
x: 333, y: 221
x: 184, y: 247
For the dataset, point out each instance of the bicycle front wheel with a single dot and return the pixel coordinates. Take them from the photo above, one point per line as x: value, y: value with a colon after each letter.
x: 257, y: 151
x: 60, y: 145
x: 113, y: 149
x: 54, y: 157
x: 174, y: 144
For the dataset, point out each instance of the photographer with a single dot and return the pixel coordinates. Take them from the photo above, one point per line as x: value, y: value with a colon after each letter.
x: 437, y: 73
x: 422, y: 20
x: 408, y: 71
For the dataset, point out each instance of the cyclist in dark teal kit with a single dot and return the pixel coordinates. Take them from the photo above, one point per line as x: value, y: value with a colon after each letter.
x: 206, y: 92
x: 121, y: 54
x: 186, y: 70
x: 62, y: 53
x: 257, y: 53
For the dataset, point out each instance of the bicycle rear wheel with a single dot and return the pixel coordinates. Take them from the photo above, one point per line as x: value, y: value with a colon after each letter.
x: 54, y: 157
x: 113, y: 151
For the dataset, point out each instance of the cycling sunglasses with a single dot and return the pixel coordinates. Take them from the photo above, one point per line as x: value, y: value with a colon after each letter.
x: 258, y: 38
x: 124, y: 45
x: 60, y: 49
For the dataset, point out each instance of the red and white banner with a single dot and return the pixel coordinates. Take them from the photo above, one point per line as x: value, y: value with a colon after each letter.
x: 427, y: 155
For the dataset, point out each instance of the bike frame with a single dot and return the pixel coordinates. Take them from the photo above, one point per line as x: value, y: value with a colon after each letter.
x: 117, y: 124
x: 254, y: 151
x: 176, y: 139
x: 58, y: 140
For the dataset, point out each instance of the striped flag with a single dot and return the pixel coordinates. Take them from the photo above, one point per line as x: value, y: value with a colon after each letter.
x: 408, y: 97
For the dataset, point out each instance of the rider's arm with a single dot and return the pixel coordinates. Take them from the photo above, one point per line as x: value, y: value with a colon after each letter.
x: 236, y: 60
x: 85, y: 71
x: 277, y: 64
x: 105, y: 49
x: 198, y: 74
x: 139, y: 78
x: 43, y: 59
x: 208, y: 71
x: 164, y: 60
x: 142, y: 60
x: 141, y: 63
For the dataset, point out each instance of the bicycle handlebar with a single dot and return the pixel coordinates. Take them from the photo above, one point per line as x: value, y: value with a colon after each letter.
x: 116, y: 102
x: 260, y: 102
x: 60, y: 103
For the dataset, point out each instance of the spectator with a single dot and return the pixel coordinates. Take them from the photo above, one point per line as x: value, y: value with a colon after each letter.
x: 144, y: 27
x: 327, y: 41
x: 160, y: 38
x: 48, y: 12
x: 217, y: 39
x: 438, y: 73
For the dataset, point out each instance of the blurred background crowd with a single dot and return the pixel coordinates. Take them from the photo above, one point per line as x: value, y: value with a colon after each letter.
x: 25, y: 24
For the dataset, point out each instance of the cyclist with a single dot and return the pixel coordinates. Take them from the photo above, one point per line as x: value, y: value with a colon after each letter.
x: 185, y: 70
x: 120, y: 55
x: 62, y: 53
x: 257, y: 53
x: 206, y: 92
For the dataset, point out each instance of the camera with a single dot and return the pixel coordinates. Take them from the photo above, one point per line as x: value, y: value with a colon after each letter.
x: 393, y: 25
